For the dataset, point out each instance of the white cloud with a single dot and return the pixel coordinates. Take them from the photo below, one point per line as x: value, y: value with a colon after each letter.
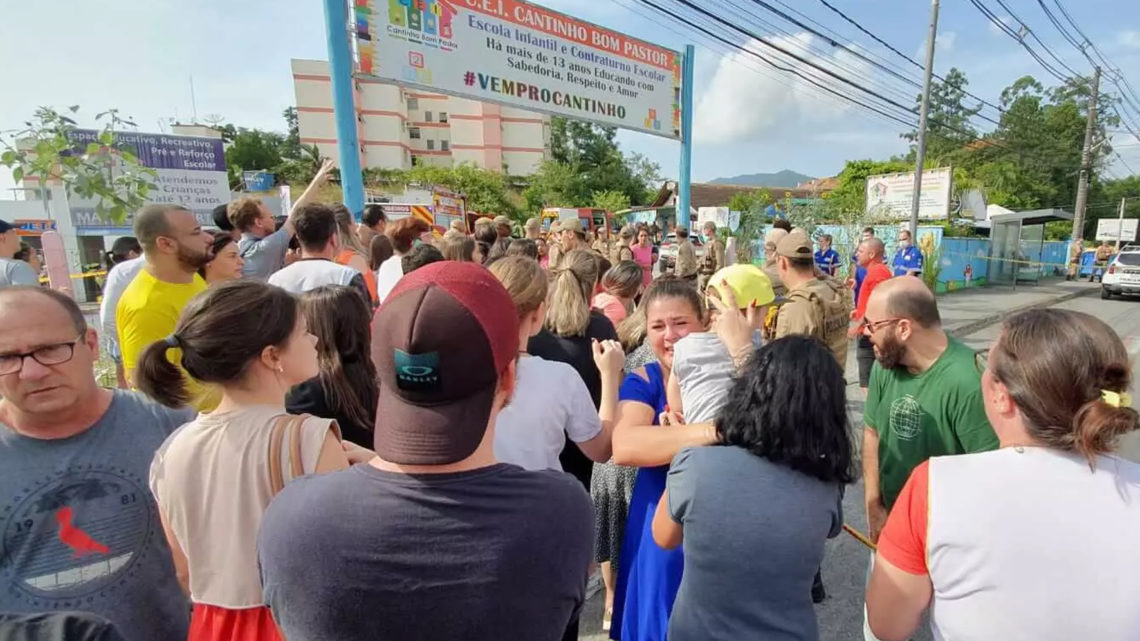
x: 1008, y: 21
x: 944, y: 44
x: 1129, y: 39
x: 746, y: 99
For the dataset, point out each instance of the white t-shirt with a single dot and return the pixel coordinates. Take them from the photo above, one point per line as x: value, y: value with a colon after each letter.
x: 550, y: 403
x: 211, y: 481
x: 116, y: 283
x: 704, y: 371
x: 390, y: 273
x: 310, y: 273
x: 1023, y: 544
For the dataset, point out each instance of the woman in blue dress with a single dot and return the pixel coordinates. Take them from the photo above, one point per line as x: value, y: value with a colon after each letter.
x: 649, y: 576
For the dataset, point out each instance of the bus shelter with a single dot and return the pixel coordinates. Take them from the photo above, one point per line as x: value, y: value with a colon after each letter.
x: 1017, y: 241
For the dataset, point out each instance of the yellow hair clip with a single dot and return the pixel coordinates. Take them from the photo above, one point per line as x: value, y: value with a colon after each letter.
x: 1116, y: 399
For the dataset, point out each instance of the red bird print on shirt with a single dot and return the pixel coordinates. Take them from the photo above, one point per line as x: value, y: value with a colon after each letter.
x: 76, y: 539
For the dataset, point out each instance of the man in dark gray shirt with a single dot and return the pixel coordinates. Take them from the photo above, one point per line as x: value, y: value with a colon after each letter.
x: 79, y: 528
x: 433, y: 539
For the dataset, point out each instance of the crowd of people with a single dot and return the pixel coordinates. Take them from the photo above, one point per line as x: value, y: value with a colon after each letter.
x: 327, y: 429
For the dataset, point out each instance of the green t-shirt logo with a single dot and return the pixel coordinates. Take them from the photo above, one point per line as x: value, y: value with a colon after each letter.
x: 906, y: 417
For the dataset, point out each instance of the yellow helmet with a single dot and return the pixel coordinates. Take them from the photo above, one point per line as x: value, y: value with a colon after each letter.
x: 749, y: 285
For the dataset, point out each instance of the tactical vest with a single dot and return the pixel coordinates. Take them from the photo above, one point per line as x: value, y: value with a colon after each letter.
x: 831, y: 303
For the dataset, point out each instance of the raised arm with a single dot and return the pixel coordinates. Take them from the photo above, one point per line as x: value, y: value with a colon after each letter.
x: 310, y: 192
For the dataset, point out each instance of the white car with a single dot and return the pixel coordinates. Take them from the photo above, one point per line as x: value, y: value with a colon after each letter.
x: 668, y: 256
x: 1122, y: 277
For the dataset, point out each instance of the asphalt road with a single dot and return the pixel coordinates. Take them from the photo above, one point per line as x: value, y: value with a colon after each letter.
x: 845, y: 566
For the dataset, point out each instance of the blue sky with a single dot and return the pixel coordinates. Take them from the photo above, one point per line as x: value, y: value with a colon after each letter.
x: 138, y: 56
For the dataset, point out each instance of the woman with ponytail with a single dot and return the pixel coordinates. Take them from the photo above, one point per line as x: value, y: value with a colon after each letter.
x: 212, y: 477
x: 1036, y: 540
x: 568, y: 334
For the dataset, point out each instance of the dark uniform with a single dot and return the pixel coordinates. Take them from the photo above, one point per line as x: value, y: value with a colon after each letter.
x: 711, y: 262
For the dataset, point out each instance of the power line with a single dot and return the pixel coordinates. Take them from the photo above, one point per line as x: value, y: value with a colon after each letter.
x: 898, y: 53
x: 996, y: 21
x: 1033, y: 34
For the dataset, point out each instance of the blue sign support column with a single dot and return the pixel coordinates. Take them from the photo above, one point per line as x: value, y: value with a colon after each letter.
x: 340, y: 71
x: 683, y: 199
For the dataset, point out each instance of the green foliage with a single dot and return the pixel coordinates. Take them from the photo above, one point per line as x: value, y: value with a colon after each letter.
x: 611, y: 201
x: 253, y: 150
x: 931, y: 266
x: 585, y: 159
x: 751, y: 205
x: 487, y: 191
x: 106, y: 171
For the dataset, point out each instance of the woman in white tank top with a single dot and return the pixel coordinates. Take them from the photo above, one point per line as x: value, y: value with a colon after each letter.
x: 1035, y: 541
x: 211, y: 478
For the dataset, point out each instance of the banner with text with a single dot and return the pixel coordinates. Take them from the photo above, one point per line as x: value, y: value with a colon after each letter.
x: 522, y: 55
x: 191, y: 172
x: 889, y: 196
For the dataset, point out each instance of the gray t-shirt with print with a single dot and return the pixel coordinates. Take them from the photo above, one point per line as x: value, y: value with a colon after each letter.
x: 16, y: 272
x: 79, y: 529
x: 754, y: 537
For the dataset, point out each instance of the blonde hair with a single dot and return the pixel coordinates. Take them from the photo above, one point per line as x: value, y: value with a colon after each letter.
x: 344, y: 231
x: 525, y: 281
x: 568, y: 308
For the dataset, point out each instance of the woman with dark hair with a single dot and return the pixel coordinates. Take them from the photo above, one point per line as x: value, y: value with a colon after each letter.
x: 379, y: 250
x: 345, y: 389
x: 498, y: 250
x: 1037, y: 539
x: 543, y: 252
x: 755, y: 513
x: 568, y: 334
x: 352, y: 252
x: 403, y: 233
x: 210, y: 478
x: 649, y: 575
x: 644, y: 254
x: 225, y: 262
x: 620, y: 285
x: 523, y: 247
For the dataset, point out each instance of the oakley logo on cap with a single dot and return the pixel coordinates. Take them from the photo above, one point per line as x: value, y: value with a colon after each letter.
x: 417, y: 372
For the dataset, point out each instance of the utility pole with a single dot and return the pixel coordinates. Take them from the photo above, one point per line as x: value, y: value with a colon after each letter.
x: 924, y: 106
x: 1086, y: 164
x: 1120, y: 225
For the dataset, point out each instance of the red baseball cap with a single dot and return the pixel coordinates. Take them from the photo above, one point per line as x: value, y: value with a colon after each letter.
x: 440, y: 341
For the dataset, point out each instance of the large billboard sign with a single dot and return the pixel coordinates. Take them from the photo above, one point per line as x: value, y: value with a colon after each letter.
x: 890, y: 196
x: 1123, y: 230
x: 191, y: 171
x: 521, y: 55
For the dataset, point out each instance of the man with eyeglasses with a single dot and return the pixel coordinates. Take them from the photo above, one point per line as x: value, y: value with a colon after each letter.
x: 924, y: 397
x: 80, y: 528
x: 869, y: 256
x: 175, y: 246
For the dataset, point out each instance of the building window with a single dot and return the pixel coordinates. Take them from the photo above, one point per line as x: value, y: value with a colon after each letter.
x: 417, y: 161
x: 414, y: 133
x: 413, y: 104
x: 431, y: 145
x: 445, y: 145
x: 443, y: 116
x: 427, y: 116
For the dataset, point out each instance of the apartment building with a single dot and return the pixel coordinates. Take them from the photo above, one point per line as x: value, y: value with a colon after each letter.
x: 399, y: 128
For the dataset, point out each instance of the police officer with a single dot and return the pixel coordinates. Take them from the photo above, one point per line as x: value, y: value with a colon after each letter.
x: 908, y: 258
x: 604, y: 244
x: 816, y: 304
x: 713, y: 259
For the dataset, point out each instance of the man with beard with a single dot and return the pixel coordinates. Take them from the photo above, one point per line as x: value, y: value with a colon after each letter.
x: 175, y: 246
x: 924, y: 397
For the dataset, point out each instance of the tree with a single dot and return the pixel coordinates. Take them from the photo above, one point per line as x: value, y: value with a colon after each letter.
x: 948, y: 118
x: 590, y: 152
x: 104, y: 170
x: 291, y: 147
x: 611, y: 201
x: 752, y: 206
x: 253, y: 150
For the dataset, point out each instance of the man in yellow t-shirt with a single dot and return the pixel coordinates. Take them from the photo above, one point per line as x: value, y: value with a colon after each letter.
x: 175, y: 247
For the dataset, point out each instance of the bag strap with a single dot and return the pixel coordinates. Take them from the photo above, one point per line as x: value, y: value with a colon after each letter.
x: 287, y: 426
x: 276, y: 436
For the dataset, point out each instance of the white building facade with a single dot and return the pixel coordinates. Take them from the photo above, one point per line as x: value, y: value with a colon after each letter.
x: 399, y: 128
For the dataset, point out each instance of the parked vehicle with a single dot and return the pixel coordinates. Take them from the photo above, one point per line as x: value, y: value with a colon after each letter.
x: 668, y: 254
x: 1122, y: 278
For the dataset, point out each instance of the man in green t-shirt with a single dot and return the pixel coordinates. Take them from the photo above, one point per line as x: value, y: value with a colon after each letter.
x: 924, y: 397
